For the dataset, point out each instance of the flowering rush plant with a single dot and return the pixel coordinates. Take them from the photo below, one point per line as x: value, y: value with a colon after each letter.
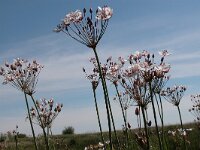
x: 47, y: 112
x: 21, y: 74
x: 86, y: 29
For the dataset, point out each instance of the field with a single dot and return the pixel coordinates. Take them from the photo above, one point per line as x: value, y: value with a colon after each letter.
x: 81, y: 141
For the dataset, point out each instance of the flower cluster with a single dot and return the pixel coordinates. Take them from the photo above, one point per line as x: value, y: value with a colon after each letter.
x: 87, y: 30
x: 113, y: 69
x: 94, y: 76
x: 174, y: 94
x: 46, y: 111
x: 21, y: 74
x: 14, y: 133
x: 195, y: 110
x: 99, y: 146
x: 141, y: 73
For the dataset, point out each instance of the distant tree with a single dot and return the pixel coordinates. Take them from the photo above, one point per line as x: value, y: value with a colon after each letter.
x: 68, y: 130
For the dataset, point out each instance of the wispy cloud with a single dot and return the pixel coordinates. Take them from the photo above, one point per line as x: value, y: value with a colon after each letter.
x: 63, y: 60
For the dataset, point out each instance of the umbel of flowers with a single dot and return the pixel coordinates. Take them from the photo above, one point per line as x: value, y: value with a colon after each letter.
x: 84, y: 27
x: 88, y: 27
x: 174, y: 96
x: 47, y: 113
x: 23, y: 75
x: 195, y: 110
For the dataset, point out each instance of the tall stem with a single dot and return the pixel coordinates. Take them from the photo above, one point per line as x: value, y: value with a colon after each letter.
x: 154, y: 114
x: 98, y: 117
x: 105, y: 97
x: 145, y: 127
x: 111, y: 114
x: 123, y: 114
x: 31, y: 123
x: 179, y: 112
x: 162, y: 121
x: 42, y: 125
x: 16, y: 142
x: 140, y: 119
x: 48, y: 129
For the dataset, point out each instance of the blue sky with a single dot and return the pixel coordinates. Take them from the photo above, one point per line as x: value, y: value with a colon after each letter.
x: 26, y: 32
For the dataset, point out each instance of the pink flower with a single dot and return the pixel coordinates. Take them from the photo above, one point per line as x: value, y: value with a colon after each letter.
x: 104, y: 13
x: 162, y: 69
x: 21, y: 75
x: 137, y: 55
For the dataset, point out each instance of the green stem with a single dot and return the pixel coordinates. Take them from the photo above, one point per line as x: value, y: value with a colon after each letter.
x: 42, y: 125
x: 145, y: 127
x: 105, y: 98
x: 179, y: 112
x: 162, y: 121
x: 98, y: 117
x: 16, y: 141
x: 112, y: 118
x: 154, y: 114
x: 140, y: 119
x: 48, y: 129
x: 123, y: 114
x: 31, y: 123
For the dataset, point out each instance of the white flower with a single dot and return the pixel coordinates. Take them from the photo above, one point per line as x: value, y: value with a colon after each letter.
x: 66, y: 20
x: 137, y: 55
x: 74, y: 17
x: 164, y: 53
x: 104, y: 13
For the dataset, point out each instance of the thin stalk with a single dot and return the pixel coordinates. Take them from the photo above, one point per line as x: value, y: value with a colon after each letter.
x: 162, y: 121
x: 138, y: 122
x: 31, y: 123
x: 161, y: 116
x: 159, y: 109
x: 154, y: 114
x: 105, y: 97
x: 161, y: 106
x: 16, y: 141
x: 160, y: 112
x: 140, y: 119
x: 145, y: 127
x: 179, y: 112
x: 123, y: 114
x: 42, y: 125
x: 112, y: 118
x: 48, y: 130
x: 98, y: 117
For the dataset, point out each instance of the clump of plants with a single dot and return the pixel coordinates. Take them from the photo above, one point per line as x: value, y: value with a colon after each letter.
x: 68, y: 130
x: 139, y: 80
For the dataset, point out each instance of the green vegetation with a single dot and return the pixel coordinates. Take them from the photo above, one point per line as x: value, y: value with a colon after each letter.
x: 80, y: 141
x: 68, y: 130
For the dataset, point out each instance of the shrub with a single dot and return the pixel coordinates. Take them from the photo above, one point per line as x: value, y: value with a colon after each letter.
x: 68, y: 130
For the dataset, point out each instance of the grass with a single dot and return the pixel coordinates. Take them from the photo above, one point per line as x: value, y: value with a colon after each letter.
x: 80, y: 141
